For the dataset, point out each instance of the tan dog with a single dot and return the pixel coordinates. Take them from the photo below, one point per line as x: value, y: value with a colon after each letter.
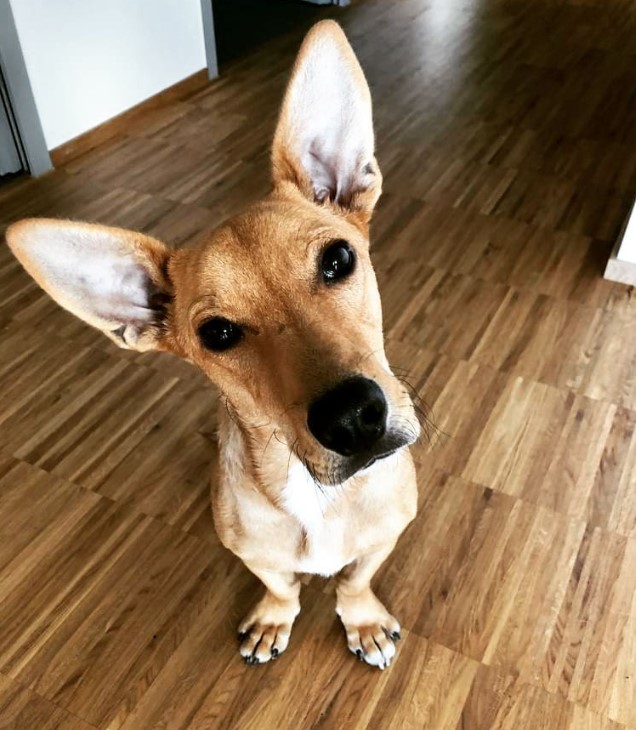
x: 280, y: 309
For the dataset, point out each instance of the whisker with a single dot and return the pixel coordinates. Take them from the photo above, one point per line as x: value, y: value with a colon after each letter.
x: 269, y: 440
x: 229, y: 411
x: 286, y: 410
x: 291, y: 453
x: 232, y: 415
x: 407, y: 426
x: 368, y: 355
x: 423, y: 410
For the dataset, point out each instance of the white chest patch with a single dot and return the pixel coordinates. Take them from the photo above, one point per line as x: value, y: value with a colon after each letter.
x: 309, y: 504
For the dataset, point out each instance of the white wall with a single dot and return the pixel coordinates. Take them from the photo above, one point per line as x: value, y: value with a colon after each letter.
x: 89, y: 60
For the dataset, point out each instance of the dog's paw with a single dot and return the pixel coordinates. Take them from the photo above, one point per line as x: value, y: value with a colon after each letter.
x: 264, y: 633
x: 371, y: 630
x: 373, y: 644
x: 262, y: 642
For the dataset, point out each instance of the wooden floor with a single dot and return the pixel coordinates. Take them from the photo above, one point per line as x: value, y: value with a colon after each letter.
x: 507, y: 135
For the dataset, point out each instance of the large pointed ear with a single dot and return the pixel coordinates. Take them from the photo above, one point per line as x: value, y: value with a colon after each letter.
x: 113, y: 279
x: 324, y: 141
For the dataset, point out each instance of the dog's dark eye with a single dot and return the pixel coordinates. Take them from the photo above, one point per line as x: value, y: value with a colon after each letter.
x: 337, y: 262
x: 219, y: 334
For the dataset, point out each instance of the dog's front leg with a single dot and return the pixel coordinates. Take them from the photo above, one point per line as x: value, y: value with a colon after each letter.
x: 264, y: 632
x: 371, y: 630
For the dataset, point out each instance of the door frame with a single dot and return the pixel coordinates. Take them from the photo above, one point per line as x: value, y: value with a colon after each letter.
x: 20, y: 93
x: 207, y: 16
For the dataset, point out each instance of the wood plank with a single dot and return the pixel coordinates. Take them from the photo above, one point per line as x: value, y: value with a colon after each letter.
x: 21, y: 709
x: 499, y: 701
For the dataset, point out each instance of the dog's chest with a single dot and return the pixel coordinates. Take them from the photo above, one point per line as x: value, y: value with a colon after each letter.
x: 324, y: 546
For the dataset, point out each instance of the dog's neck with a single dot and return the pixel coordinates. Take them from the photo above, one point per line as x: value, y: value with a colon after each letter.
x: 255, y: 446
x: 255, y: 453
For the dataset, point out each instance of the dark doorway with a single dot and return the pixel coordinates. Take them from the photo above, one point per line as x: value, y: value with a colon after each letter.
x: 243, y: 25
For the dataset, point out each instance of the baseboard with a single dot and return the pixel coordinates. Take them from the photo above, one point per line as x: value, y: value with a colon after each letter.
x: 116, y: 125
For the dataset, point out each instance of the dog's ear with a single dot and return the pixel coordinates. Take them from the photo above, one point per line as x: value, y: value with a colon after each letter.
x: 113, y: 279
x: 324, y: 141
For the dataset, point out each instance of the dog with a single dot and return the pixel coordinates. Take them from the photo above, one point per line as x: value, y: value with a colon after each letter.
x: 280, y: 308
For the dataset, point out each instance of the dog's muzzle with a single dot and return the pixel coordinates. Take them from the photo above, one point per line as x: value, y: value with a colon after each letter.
x: 352, y: 421
x: 351, y: 418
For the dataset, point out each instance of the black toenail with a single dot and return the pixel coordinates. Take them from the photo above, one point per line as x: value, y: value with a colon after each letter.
x: 358, y: 653
x: 396, y: 636
x: 274, y: 653
x: 242, y: 635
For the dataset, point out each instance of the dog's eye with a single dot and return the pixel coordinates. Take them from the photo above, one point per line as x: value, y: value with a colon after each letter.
x: 337, y: 262
x: 219, y: 334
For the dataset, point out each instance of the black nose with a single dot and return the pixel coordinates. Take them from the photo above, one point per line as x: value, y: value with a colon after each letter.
x: 350, y: 418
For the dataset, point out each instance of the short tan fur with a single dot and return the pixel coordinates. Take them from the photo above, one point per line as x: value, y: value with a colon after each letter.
x: 282, y: 501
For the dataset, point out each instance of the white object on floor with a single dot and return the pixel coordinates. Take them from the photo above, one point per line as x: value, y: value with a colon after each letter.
x: 621, y: 266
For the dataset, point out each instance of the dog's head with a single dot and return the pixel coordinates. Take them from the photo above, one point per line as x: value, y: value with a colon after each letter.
x: 279, y: 307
